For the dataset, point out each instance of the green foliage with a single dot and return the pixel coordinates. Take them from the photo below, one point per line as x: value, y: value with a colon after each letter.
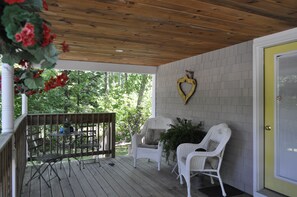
x: 131, y: 121
x: 13, y: 19
x: 34, y: 83
x: 97, y: 92
x: 182, y: 132
x: 100, y: 92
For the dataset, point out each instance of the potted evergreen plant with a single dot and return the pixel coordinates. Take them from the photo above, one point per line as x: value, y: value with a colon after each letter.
x: 181, y: 132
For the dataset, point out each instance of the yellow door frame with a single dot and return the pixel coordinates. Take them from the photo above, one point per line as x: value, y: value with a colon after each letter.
x: 281, y: 186
x: 259, y: 45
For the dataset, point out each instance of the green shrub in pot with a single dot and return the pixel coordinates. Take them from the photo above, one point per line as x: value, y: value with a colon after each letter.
x: 183, y: 131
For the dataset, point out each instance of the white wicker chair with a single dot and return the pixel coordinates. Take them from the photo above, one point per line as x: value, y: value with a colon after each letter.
x: 208, y: 162
x: 142, y: 150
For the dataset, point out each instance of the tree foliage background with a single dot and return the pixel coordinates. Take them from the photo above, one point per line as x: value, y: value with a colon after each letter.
x: 128, y: 95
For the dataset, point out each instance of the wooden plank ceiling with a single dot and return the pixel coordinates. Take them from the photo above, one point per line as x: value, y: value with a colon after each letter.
x: 155, y: 32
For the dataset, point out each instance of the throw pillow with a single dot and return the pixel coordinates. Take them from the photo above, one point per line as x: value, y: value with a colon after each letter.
x: 152, y: 136
x: 213, y: 161
x: 212, y: 145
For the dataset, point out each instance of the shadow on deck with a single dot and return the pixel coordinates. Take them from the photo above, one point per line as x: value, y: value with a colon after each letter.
x: 121, y: 180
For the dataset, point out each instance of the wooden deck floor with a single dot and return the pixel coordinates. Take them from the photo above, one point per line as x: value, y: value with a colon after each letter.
x: 122, y: 180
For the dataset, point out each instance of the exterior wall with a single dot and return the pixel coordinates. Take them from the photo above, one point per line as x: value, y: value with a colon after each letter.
x: 224, y: 94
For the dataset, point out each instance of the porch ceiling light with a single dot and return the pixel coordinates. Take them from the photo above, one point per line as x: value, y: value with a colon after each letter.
x: 119, y: 50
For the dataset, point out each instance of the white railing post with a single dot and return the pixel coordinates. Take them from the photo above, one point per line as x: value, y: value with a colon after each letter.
x: 25, y: 111
x: 7, y: 92
x: 24, y: 104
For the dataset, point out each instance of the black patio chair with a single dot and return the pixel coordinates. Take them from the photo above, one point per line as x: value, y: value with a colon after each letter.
x: 46, y: 160
x: 91, y: 144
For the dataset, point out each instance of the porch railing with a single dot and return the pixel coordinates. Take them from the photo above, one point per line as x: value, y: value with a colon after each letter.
x: 46, y: 125
x: 5, y: 164
x: 12, y: 168
x: 20, y: 146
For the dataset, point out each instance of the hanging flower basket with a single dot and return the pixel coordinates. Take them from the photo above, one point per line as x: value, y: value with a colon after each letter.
x: 26, y: 39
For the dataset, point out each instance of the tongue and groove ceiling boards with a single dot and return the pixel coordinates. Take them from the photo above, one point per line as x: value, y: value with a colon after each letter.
x: 155, y: 32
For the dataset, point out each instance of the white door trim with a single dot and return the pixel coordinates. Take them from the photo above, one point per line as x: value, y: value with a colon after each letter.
x: 258, y: 121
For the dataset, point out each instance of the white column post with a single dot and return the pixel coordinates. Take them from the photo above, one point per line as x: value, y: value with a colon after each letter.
x: 154, y: 78
x: 24, y: 104
x: 7, y: 98
x: 7, y: 115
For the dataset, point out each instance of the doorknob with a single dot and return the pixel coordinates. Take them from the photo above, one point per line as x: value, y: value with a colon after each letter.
x: 268, y: 128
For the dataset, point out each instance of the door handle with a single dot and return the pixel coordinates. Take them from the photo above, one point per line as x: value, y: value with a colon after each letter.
x: 268, y: 127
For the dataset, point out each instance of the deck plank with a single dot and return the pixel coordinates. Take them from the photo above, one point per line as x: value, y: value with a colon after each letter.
x: 165, y: 179
x: 65, y: 183
x: 148, y: 179
x: 120, y: 191
x: 75, y: 185
x: 133, y: 180
x: 172, y: 183
x: 87, y: 189
x: 120, y: 180
x: 92, y: 181
x: 150, y: 186
x: 26, y: 189
x: 101, y: 181
x: 45, y: 190
x: 34, y: 185
x: 124, y: 181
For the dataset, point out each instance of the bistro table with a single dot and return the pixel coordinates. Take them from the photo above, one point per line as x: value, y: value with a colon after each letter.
x: 71, y: 139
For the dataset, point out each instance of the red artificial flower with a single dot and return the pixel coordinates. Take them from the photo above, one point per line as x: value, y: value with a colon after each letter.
x: 31, y: 92
x: 47, y: 36
x: 36, y: 75
x: 14, y: 1
x: 44, y: 4
x: 27, y: 36
x: 49, y: 84
x: 16, y: 79
x: 65, y: 47
x: 62, y: 79
x: 25, y: 63
x: 18, y: 37
x: 52, y: 83
x: 15, y: 90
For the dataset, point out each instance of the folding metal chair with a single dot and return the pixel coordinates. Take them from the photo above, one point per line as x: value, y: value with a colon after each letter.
x: 90, y: 143
x: 47, y: 160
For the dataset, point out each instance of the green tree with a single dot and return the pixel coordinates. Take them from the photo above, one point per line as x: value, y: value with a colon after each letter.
x: 128, y: 95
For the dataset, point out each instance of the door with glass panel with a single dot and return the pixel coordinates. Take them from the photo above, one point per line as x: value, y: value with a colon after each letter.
x: 280, y: 117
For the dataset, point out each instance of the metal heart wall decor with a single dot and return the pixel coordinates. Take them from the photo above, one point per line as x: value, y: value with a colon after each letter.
x: 186, y: 79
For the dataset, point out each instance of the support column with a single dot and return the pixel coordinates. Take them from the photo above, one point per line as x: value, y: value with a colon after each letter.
x: 154, y: 78
x: 7, y: 98
x: 8, y: 115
